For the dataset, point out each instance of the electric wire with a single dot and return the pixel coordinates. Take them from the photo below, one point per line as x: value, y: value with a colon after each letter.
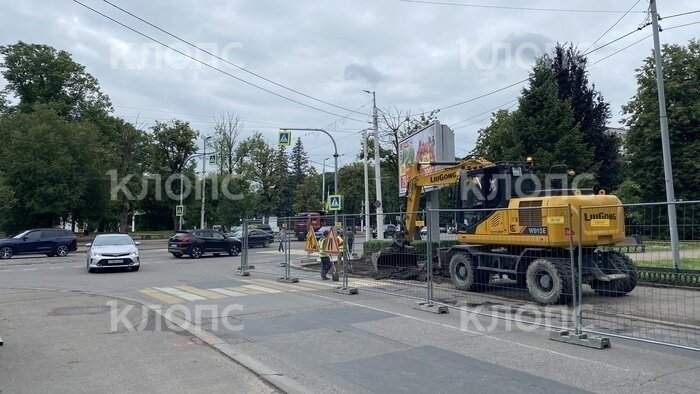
x: 211, y: 66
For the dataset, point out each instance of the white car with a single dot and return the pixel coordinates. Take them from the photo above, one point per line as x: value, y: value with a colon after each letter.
x: 113, y: 251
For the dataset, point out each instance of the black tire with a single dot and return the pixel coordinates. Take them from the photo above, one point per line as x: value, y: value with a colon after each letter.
x: 177, y: 255
x: 135, y: 268
x: 62, y: 250
x: 616, y: 262
x: 196, y: 252
x: 465, y: 275
x: 90, y: 269
x: 549, y: 281
x: 234, y: 250
x: 6, y: 252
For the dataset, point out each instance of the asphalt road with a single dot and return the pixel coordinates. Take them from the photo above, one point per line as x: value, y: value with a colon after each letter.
x: 303, y: 335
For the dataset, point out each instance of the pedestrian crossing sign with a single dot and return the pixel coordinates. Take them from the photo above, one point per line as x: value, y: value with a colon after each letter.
x: 285, y: 138
x: 335, y: 202
x: 212, y: 159
x: 179, y: 210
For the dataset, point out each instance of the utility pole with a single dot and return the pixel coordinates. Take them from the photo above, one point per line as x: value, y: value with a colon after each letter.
x: 377, y: 168
x: 665, y: 144
x: 204, y: 181
x: 366, y: 203
x: 323, y: 184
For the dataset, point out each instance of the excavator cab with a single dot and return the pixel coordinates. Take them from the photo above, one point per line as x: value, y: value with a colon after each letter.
x: 483, y: 190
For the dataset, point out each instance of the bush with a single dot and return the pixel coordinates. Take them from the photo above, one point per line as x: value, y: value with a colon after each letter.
x: 369, y: 247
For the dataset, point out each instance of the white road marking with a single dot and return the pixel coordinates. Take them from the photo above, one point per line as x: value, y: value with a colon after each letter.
x: 158, y: 262
x: 229, y: 293
x: 78, y: 266
x: 179, y: 293
x: 55, y: 268
x: 5, y: 270
x: 30, y: 269
x: 260, y: 288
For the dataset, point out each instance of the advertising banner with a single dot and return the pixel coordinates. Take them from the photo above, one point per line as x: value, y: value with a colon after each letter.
x: 433, y: 143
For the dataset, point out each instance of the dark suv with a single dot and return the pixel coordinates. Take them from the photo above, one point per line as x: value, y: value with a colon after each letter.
x: 195, y: 243
x: 48, y: 241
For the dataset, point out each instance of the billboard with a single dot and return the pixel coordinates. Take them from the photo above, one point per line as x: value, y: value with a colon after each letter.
x: 433, y: 143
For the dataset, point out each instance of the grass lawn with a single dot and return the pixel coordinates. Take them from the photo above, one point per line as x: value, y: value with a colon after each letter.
x: 666, y: 245
x: 689, y: 263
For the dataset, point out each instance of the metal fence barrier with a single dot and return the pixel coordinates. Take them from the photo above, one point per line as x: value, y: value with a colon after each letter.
x: 553, y: 286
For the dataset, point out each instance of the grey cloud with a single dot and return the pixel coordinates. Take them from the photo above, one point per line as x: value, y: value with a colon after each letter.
x: 366, y: 72
x: 526, y: 46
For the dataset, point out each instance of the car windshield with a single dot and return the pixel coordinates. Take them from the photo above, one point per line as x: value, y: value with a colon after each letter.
x: 238, y: 233
x: 113, y: 240
x: 21, y: 235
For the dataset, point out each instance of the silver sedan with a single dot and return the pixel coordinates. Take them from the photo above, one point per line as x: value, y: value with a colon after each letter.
x: 113, y: 251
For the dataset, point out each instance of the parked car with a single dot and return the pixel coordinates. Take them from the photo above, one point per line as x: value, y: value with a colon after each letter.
x: 443, y: 230
x: 320, y: 231
x: 424, y: 232
x: 113, y: 251
x: 452, y: 229
x: 196, y: 243
x: 256, y: 237
x: 48, y: 241
x: 389, y: 231
x: 264, y: 227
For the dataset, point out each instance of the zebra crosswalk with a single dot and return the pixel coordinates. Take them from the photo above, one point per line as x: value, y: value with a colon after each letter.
x: 250, y: 287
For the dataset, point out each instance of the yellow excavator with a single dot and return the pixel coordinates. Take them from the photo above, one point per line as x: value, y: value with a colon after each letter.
x: 507, y: 226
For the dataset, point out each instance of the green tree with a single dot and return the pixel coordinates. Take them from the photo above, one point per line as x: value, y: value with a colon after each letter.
x: 7, y: 202
x: 54, y: 168
x: 495, y: 142
x: 306, y: 195
x: 172, y: 144
x: 644, y: 160
x: 40, y: 74
x: 260, y: 167
x: 286, y: 184
x: 591, y: 112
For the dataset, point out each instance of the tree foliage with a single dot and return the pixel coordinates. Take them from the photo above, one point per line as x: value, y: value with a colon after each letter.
x: 644, y: 160
x: 40, y: 74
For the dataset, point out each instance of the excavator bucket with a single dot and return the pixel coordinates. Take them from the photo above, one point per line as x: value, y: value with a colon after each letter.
x: 396, y: 263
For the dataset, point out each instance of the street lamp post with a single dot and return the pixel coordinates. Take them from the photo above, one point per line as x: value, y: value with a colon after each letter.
x: 323, y: 183
x: 204, y: 181
x: 335, y: 156
x: 377, y: 168
x: 182, y: 177
x: 366, y: 204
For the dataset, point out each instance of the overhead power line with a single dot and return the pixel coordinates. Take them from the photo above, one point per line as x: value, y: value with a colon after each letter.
x: 677, y: 15
x: 222, y: 59
x: 613, y: 25
x: 503, y: 7
x: 211, y: 66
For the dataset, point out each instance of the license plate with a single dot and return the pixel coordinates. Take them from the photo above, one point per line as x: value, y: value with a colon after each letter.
x: 173, y: 245
x: 117, y: 262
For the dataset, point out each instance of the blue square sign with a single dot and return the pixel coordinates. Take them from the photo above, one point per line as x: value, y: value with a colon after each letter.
x: 335, y: 202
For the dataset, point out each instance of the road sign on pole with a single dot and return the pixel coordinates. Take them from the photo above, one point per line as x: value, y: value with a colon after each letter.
x: 180, y: 210
x: 212, y: 159
x: 285, y: 138
x: 335, y: 202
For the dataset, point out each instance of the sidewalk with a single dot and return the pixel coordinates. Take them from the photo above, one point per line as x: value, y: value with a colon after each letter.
x: 61, y: 342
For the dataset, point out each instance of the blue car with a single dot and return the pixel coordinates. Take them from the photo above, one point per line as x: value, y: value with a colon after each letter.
x: 48, y: 241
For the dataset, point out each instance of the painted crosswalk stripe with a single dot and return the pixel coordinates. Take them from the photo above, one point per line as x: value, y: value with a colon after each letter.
x: 245, y: 291
x: 275, y: 285
x: 261, y: 288
x: 30, y: 269
x: 55, y: 268
x: 167, y: 298
x: 227, y: 292
x: 179, y: 293
x: 203, y: 293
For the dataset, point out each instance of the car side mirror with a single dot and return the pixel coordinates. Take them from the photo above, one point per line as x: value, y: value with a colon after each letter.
x: 87, y: 245
x: 137, y: 243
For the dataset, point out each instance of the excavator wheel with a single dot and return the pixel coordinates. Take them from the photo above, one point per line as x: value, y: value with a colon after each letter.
x: 549, y: 281
x: 465, y: 275
x: 616, y: 262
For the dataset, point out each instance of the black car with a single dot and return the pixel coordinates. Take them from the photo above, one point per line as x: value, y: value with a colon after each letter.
x: 195, y: 243
x: 256, y: 237
x: 264, y: 227
x: 48, y: 241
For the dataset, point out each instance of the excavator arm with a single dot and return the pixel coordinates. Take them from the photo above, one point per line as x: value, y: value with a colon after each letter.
x: 448, y: 174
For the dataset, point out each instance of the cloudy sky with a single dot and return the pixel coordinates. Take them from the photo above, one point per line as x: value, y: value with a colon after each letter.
x: 416, y: 57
